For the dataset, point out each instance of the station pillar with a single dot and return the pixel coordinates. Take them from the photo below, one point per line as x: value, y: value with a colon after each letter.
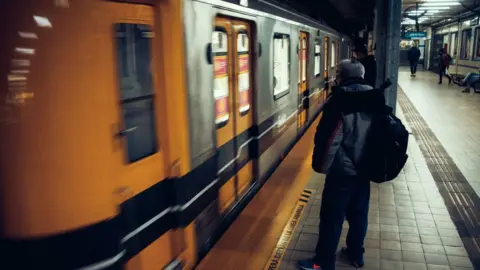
x: 388, y: 15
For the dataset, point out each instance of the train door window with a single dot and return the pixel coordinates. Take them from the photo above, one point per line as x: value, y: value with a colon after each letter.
x: 338, y: 54
x: 221, y: 82
x: 476, y: 52
x: 453, y: 43
x: 300, y: 59
x: 318, y: 50
x: 244, y: 74
x: 281, y: 65
x: 326, y: 56
x: 304, y: 58
x: 334, y: 55
x: 446, y: 41
x: 133, y: 48
x: 466, y: 44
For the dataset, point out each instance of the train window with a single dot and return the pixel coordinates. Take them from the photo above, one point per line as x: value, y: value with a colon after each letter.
x: 318, y: 49
x: 476, y: 53
x: 243, y: 75
x: 304, y: 59
x: 334, y: 50
x: 220, y: 85
x: 133, y: 45
x: 326, y: 56
x: 453, y: 46
x: 466, y: 44
x: 281, y: 65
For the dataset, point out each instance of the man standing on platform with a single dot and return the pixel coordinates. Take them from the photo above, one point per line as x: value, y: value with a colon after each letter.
x: 340, y: 141
x: 413, y: 56
x: 368, y: 61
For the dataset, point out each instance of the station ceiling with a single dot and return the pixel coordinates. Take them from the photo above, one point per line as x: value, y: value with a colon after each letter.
x: 351, y: 16
x: 435, y: 10
x: 346, y: 16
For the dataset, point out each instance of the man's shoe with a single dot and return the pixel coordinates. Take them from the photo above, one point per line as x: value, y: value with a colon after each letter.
x: 308, y: 265
x: 356, y: 261
x: 466, y: 90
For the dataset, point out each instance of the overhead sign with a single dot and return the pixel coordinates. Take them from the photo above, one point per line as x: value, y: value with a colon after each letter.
x: 415, y: 35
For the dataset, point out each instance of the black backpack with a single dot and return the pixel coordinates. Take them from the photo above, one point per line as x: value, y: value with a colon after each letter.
x: 385, y: 151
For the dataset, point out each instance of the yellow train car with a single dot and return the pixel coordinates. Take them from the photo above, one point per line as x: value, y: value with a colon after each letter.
x: 116, y: 151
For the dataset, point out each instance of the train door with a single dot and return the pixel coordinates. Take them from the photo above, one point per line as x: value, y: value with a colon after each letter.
x: 140, y: 136
x: 231, y: 48
x: 303, y: 80
x: 326, y: 45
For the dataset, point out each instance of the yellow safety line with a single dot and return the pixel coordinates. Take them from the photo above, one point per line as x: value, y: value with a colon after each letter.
x: 279, y: 251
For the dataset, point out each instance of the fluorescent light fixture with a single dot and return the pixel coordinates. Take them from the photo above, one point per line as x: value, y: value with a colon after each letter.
x: 440, y: 4
x: 42, y: 21
x: 439, y: 1
x: 433, y: 7
x: 62, y: 3
x: 421, y: 12
x: 20, y: 71
x: 25, y: 50
x: 21, y: 62
x: 16, y: 78
x: 28, y: 35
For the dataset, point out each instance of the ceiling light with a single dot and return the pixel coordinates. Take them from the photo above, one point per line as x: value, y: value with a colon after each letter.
x: 420, y: 13
x: 21, y: 62
x: 440, y: 4
x: 433, y: 7
x: 16, y: 78
x: 20, y: 71
x: 28, y: 35
x: 439, y: 1
x: 25, y: 50
x: 42, y: 21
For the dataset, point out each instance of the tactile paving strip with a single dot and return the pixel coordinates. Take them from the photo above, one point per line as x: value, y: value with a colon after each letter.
x: 462, y: 202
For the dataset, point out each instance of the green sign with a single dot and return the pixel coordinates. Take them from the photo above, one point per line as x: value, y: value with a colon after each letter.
x: 415, y: 35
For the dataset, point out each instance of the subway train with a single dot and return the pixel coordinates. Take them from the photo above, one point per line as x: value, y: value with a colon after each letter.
x: 460, y: 39
x: 134, y: 132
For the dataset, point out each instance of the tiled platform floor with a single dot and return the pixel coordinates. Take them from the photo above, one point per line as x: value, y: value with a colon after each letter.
x: 409, y: 225
x: 453, y: 117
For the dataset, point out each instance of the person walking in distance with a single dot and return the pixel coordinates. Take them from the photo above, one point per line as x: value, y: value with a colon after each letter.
x: 443, y: 65
x: 340, y: 141
x: 413, y: 56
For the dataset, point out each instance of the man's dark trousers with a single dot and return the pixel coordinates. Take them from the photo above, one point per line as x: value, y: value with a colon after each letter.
x: 343, y: 196
x: 413, y: 67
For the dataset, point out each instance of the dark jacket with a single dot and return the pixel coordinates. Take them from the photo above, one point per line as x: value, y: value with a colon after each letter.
x: 444, y: 60
x: 341, y: 134
x: 413, y: 54
x: 370, y: 65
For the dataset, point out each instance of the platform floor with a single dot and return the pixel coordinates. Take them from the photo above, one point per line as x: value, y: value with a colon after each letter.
x: 427, y: 218
x: 453, y: 116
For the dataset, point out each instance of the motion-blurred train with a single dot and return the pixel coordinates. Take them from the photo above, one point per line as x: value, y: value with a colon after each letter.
x: 461, y: 39
x: 133, y: 132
